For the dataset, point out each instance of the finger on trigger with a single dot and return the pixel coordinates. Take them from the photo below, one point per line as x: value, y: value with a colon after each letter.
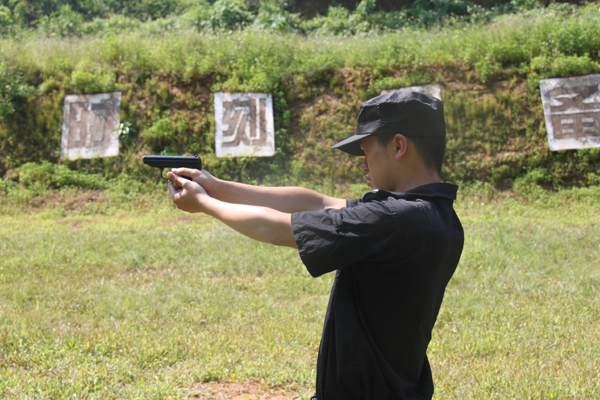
x: 173, y: 177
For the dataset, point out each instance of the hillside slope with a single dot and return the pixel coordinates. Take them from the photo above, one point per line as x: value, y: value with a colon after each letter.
x: 489, y: 75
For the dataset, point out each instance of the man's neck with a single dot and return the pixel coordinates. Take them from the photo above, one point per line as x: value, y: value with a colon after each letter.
x: 412, y: 181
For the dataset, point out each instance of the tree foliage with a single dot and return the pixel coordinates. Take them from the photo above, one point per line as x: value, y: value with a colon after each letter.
x: 77, y: 17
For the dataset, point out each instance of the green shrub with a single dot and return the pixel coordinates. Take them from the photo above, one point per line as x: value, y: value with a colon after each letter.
x: 49, y: 85
x: 564, y: 66
x: 7, y: 23
x: 113, y: 25
x: 337, y: 22
x: 13, y: 91
x: 341, y: 21
x: 272, y: 15
x: 573, y: 65
x: 161, y: 136
x: 149, y: 9
x: 487, y: 70
x: 527, y: 188
x: 92, y: 82
x: 126, y: 132
x: 228, y: 14
x: 171, y: 135
x: 427, y: 12
x: 386, y: 83
x: 54, y: 176
x: 593, y: 179
x: 65, y: 22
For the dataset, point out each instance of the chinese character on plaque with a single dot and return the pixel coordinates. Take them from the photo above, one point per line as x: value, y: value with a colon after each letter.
x: 244, y: 125
x: 572, y: 111
x: 90, y: 124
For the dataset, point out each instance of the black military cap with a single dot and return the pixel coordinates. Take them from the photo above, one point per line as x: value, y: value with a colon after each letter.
x: 402, y: 111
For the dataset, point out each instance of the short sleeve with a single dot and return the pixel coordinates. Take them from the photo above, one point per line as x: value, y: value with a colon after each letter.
x: 353, y: 202
x: 332, y: 239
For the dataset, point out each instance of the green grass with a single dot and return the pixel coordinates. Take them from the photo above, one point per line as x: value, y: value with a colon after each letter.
x: 144, y: 305
x: 139, y: 300
x: 521, y: 317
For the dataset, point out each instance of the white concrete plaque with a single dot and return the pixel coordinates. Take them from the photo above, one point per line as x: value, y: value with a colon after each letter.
x: 89, y: 126
x: 572, y: 111
x: 244, y: 125
x: 433, y: 90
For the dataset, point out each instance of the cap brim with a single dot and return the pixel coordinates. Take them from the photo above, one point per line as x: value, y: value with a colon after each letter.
x: 351, y: 145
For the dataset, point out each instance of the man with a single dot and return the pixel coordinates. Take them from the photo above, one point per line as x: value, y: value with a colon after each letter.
x: 393, y: 251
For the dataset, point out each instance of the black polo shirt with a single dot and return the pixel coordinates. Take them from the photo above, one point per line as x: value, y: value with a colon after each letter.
x: 394, y: 254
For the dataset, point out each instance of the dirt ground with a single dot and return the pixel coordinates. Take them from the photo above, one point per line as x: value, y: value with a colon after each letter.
x: 243, y: 391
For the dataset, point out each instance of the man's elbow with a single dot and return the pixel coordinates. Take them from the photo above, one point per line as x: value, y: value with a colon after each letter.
x: 282, y: 239
x: 278, y: 241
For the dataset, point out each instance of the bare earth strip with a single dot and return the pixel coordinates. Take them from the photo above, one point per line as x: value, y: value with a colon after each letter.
x: 242, y: 391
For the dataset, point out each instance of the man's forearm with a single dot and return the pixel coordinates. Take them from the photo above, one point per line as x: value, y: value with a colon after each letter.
x: 259, y: 223
x: 284, y: 199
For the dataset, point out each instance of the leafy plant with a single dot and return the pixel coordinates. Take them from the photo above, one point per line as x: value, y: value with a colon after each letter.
x: 13, y: 91
x: 7, y: 23
x: 167, y: 135
x: 92, y: 82
x: 65, y: 22
x: 564, y: 66
x: 228, y: 14
x: 272, y: 15
x: 125, y: 131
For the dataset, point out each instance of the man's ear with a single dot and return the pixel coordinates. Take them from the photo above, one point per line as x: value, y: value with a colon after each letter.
x: 400, y: 144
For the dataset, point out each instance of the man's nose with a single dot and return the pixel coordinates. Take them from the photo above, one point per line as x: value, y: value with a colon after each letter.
x: 364, y: 167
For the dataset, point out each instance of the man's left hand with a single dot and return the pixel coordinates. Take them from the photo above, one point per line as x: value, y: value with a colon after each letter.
x: 187, y: 195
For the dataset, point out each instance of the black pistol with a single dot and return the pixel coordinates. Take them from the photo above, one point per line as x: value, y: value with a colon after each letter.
x: 163, y: 162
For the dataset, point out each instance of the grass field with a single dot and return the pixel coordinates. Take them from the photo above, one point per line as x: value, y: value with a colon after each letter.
x: 102, y: 300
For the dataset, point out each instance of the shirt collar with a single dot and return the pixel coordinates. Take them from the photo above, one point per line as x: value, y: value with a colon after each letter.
x: 444, y: 190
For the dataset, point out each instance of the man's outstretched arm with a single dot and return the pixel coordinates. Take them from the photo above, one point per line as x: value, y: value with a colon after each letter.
x: 284, y: 199
x: 260, y: 223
